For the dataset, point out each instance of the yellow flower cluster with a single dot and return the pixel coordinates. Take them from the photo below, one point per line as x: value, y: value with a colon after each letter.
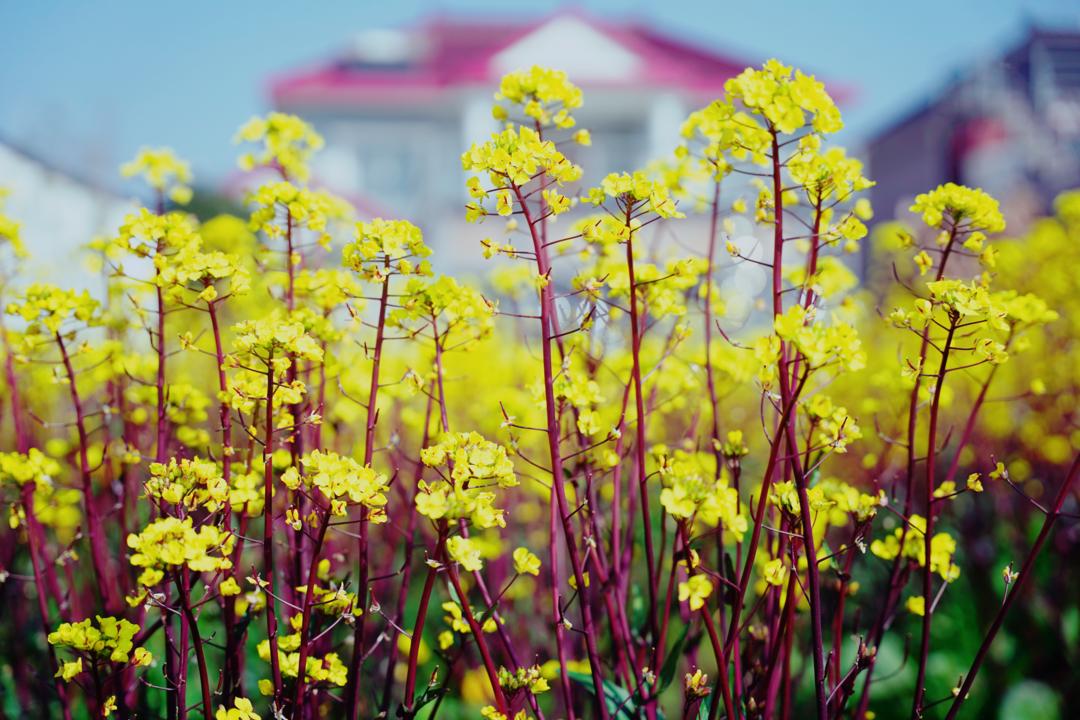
x: 696, y: 684
x: 147, y: 234
x: 720, y: 130
x: 632, y: 188
x: 525, y: 562
x: 951, y: 206
x: 785, y: 497
x: 661, y: 288
x: 544, y: 95
x: 696, y: 589
x: 104, y: 639
x: 49, y: 307
x: 287, y: 144
x: 342, y: 481
x: 163, y: 171
x: 332, y: 600
x: 849, y: 501
x: 524, y: 678
x: 513, y: 158
x: 191, y: 271
x: 693, y: 493
x: 281, y: 207
x: 469, y: 465
x: 455, y: 618
x: 171, y: 543
x: 246, y: 494
x: 942, y: 548
x: 784, y: 100
x: 10, y: 230
x: 242, y: 709
x: 319, y: 292
x: 384, y: 245
x: 32, y: 467
x: 828, y: 174
x: 465, y: 552
x: 190, y: 482
x: 833, y: 427
x: 328, y: 669
x: 964, y: 300
x: 278, y: 337
x: 819, y: 343
x: 458, y: 307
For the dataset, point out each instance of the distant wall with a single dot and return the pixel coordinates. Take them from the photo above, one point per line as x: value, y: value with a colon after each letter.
x: 59, y: 214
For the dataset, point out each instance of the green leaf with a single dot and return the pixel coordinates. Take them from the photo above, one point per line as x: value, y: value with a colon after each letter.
x: 671, y: 661
x: 638, y: 610
x: 1030, y: 700
x: 620, y: 704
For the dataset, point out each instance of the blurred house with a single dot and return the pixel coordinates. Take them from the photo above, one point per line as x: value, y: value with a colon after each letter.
x: 59, y: 212
x: 398, y: 107
x: 1010, y: 126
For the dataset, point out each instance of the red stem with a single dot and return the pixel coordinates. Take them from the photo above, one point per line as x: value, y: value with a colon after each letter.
x: 268, y: 531
x: 305, y: 625
x: 547, y: 313
x: 928, y: 533
x: 1021, y: 579
x: 352, y: 690
x: 478, y: 636
x: 639, y: 446
x: 418, y: 631
x: 98, y: 549
x: 204, y: 677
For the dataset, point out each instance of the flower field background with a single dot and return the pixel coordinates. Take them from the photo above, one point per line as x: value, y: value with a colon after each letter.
x: 283, y: 469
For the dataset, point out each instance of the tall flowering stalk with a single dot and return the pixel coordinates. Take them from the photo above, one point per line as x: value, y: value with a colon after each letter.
x: 343, y: 475
x: 381, y: 251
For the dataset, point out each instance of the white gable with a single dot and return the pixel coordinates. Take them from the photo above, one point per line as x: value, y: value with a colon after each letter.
x: 572, y: 45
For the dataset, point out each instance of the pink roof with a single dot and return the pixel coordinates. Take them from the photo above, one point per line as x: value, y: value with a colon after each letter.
x: 452, y: 53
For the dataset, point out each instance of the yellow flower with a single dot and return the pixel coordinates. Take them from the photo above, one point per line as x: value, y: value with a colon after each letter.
x: 70, y: 670
x: 974, y: 484
x: 170, y: 543
x: 525, y: 563
x: 924, y: 261
x: 472, y: 464
x: 541, y: 94
x: 916, y: 605
x: 162, y: 171
x: 775, y: 572
x: 102, y: 638
x: 342, y: 481
x: 942, y: 547
x: 515, y: 156
x: 229, y: 587
x: 242, y: 709
x: 141, y: 657
x: 463, y: 550
x: 785, y: 100
x: 530, y: 678
x: 287, y: 143
x: 696, y: 684
x: 47, y: 309
x: 33, y: 467
x: 189, y: 482
x: 696, y: 590
x: 951, y: 205
x: 692, y: 493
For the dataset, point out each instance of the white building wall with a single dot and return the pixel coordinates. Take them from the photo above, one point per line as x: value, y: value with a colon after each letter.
x: 58, y: 216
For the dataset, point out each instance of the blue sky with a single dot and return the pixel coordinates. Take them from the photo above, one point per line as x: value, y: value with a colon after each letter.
x: 86, y: 83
